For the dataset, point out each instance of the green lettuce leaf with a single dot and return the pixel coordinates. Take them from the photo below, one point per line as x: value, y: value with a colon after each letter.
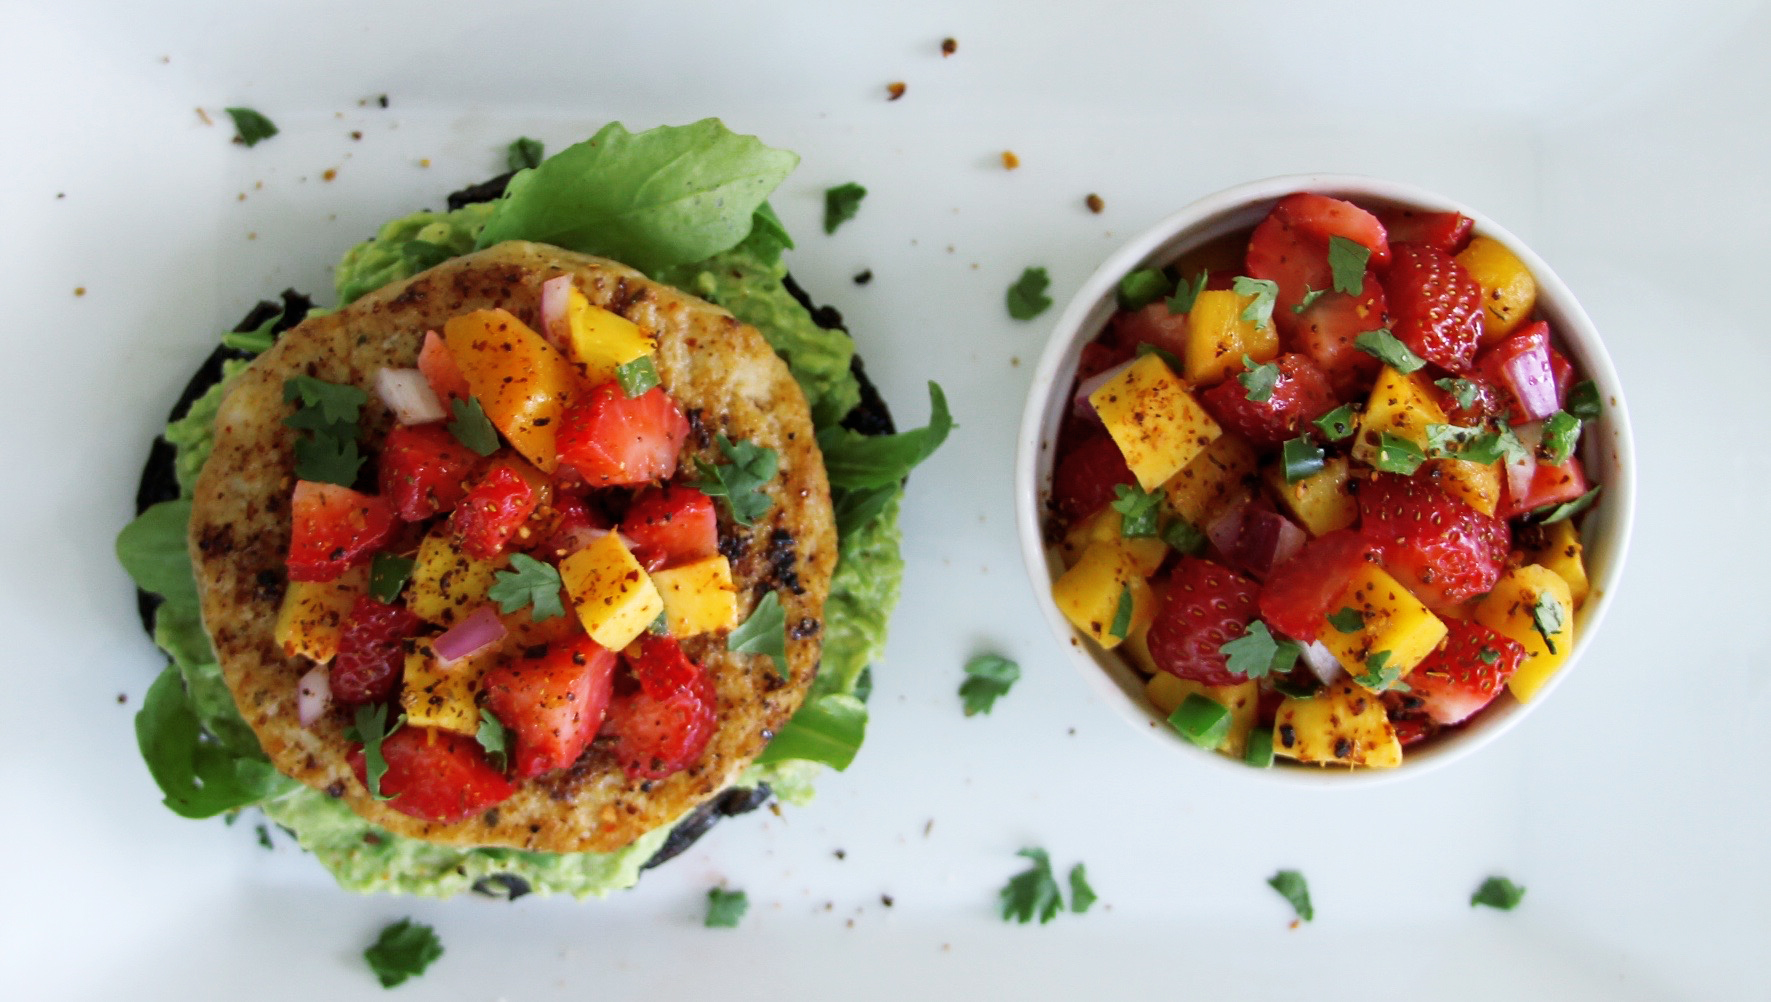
x: 199, y: 778
x: 857, y: 461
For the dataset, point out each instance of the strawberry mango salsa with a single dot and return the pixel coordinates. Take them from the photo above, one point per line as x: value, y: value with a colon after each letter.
x: 1318, y: 482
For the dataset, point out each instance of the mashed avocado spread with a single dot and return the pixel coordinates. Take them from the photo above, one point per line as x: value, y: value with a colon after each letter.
x: 746, y: 279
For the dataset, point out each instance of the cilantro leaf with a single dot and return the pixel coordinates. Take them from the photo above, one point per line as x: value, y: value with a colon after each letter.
x: 1026, y: 298
x: 1380, y: 675
x: 258, y: 340
x: 1547, y: 618
x: 327, y: 460
x: 1302, y: 458
x: 250, y: 127
x: 1464, y: 391
x: 853, y: 460
x: 1185, y: 294
x: 472, y: 428
x: 331, y: 403
x: 370, y: 730
x: 1081, y: 894
x: 637, y: 376
x: 725, y: 909
x: 1348, y: 620
x: 1561, y: 434
x: 841, y: 203
x: 1181, y: 534
x: 1032, y: 892
x: 1310, y: 297
x: 1121, y: 625
x: 1475, y: 444
x: 1258, y: 380
x: 1337, y: 424
x: 1561, y: 512
x: 524, y: 152
x: 1265, y: 293
x: 1396, y: 454
x: 1583, y: 400
x: 1139, y: 512
x: 765, y: 632
x: 403, y: 950
x: 532, y: 583
x: 1257, y: 652
x: 1498, y: 892
x: 1346, y: 258
x: 1291, y: 885
x: 388, y: 575
x: 1142, y: 287
x: 739, y: 480
x: 1383, y: 346
x: 988, y: 678
x: 494, y: 739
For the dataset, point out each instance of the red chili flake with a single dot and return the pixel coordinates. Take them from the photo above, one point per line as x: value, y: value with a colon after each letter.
x: 894, y: 90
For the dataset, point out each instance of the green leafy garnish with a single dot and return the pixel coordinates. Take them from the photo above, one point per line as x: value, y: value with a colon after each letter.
x: 402, y: 951
x: 988, y: 678
x: 370, y: 730
x: 739, y: 481
x: 725, y: 908
x: 1498, y: 892
x: 1140, y: 288
x: 1380, y: 675
x: 155, y: 551
x: 1561, y: 434
x: 1257, y: 652
x: 1475, y: 444
x: 1348, y: 620
x: 856, y: 508
x: 1181, y: 534
x: 1463, y: 391
x: 494, y: 739
x: 660, y: 624
x: 665, y: 196
x: 853, y: 460
x: 1169, y: 358
x: 637, y: 376
x: 1346, y: 258
x: 841, y: 203
x: 765, y: 632
x: 1396, y: 454
x: 327, y: 460
x: 827, y: 729
x: 1026, y: 298
x: 1139, y: 512
x: 1291, y: 885
x: 472, y: 428
x: 1258, y: 380
x: 1265, y: 293
x: 1081, y: 894
x: 1547, y: 618
x: 1032, y: 892
x: 1259, y: 752
x: 1121, y: 624
x: 199, y: 777
x: 1186, y: 294
x: 328, y: 413
x: 1310, y: 297
x: 531, y: 582
x: 1561, y: 512
x: 388, y: 575
x: 524, y: 152
x: 1201, y: 720
x: 250, y: 127
x: 1583, y: 400
x: 1337, y: 424
x: 1302, y: 458
x: 255, y: 341
x: 1383, y: 346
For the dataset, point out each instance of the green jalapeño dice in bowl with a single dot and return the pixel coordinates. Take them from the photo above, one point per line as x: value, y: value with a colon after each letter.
x: 1325, y: 471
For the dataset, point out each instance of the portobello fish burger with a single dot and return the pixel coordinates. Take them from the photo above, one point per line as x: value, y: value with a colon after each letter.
x: 571, y: 529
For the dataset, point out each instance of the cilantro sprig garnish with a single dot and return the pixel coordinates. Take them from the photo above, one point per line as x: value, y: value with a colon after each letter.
x: 1348, y: 620
x: 403, y: 951
x: 1187, y: 293
x: 725, y: 909
x: 739, y: 481
x: 1292, y: 887
x: 1139, y: 512
x: 1309, y: 299
x: 370, y: 729
x: 530, y: 582
x: 1547, y: 618
x: 472, y: 428
x: 1475, y: 444
x: 328, y: 413
x: 524, y: 152
x: 1464, y: 391
x: 765, y: 632
x: 1258, y: 312
x: 388, y: 574
x: 1026, y: 298
x: 1380, y: 675
x: 1396, y: 454
x: 1258, y: 652
x: 1561, y: 434
x: 493, y: 737
x: 841, y: 203
x: 250, y: 127
x: 988, y: 678
x: 1346, y: 259
x: 1033, y: 892
x: 1081, y: 894
x: 1338, y: 424
x: 1183, y: 536
x: 1258, y: 380
x: 1142, y: 287
x: 1583, y: 400
x: 1499, y: 893
x: 1386, y: 348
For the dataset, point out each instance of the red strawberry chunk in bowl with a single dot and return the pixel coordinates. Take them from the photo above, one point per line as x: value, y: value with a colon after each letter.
x: 1420, y: 561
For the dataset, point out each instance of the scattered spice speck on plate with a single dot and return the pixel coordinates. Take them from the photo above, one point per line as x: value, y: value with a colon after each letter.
x: 1009, y: 160
x: 949, y: 46
x: 1095, y: 203
x: 894, y: 90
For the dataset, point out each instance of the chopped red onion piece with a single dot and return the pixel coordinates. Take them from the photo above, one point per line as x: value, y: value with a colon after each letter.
x: 1264, y: 540
x: 556, y: 296
x: 1321, y: 663
x: 409, y: 396
x: 469, y: 637
x: 313, y: 694
x: 1225, y: 528
x: 1521, y: 472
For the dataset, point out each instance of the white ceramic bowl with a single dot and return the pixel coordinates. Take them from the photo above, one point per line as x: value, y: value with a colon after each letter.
x: 1606, y: 452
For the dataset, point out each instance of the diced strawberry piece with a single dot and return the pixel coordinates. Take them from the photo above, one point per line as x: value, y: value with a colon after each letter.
x: 553, y: 702
x: 1151, y: 325
x: 438, y: 367
x: 1486, y: 401
x: 1296, y: 598
x: 1201, y: 606
x: 1441, y: 549
x: 1446, y: 231
x: 1086, y: 475
x: 371, y: 652
x: 664, y: 726
x: 1277, y: 253
x: 435, y: 775
x: 1412, y: 725
x: 1300, y: 394
x: 612, y: 440
x: 572, y: 526
x: 1562, y: 371
x: 1465, y: 672
x: 1099, y: 356
x: 333, y: 529
x: 1317, y: 218
x: 494, y: 508
x: 1326, y: 331
x: 670, y: 526
x: 1435, y: 306
x: 1549, y: 485
x: 424, y: 470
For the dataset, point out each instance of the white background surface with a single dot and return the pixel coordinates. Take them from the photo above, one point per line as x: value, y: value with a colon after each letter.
x: 1626, y: 142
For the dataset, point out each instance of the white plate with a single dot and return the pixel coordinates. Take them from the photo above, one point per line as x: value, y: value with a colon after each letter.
x: 1623, y: 148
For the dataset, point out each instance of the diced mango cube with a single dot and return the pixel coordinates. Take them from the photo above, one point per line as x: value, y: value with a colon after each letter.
x: 1558, y: 547
x: 1475, y: 484
x: 1341, y: 725
x: 1526, y: 604
x: 313, y: 614
x: 520, y: 379
x: 1218, y: 337
x: 1091, y: 594
x: 1168, y: 691
x: 1399, y: 404
x: 1105, y: 526
x: 602, y: 341
x: 611, y: 592
x: 1215, y: 479
x: 434, y: 696
x: 1156, y: 423
x: 1394, y: 624
x: 1320, y: 501
x: 447, y: 585
x: 1509, y: 292
x: 698, y: 597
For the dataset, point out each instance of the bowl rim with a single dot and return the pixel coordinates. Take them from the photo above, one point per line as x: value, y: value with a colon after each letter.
x: 1191, y: 225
